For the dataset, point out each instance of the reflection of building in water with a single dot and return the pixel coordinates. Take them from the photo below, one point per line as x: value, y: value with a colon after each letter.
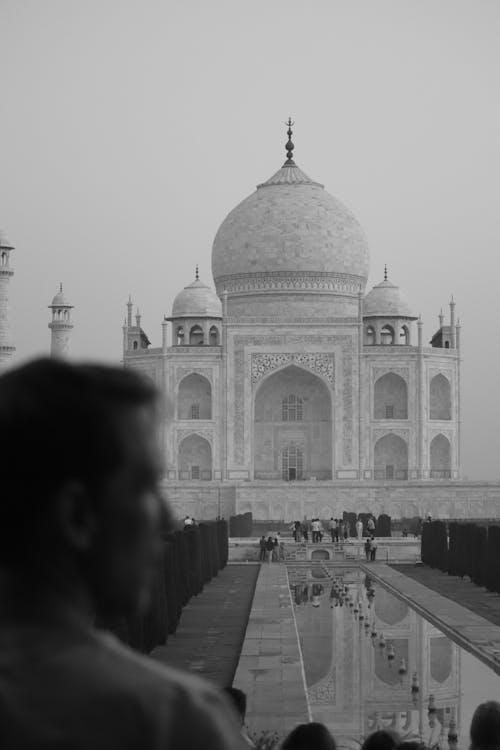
x: 355, y: 680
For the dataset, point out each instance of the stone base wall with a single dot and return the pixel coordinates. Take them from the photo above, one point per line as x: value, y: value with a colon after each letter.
x: 289, y: 501
x: 388, y: 550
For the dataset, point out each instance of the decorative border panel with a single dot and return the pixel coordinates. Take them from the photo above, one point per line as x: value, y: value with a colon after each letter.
x: 318, y: 362
x: 403, y: 372
x: 184, y: 433
x: 380, y: 433
x: 182, y: 372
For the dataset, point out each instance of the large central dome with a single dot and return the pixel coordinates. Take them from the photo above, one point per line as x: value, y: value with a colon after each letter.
x: 290, y: 235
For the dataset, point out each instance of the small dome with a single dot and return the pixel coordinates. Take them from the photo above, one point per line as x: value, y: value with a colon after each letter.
x: 197, y: 300
x: 60, y: 300
x: 385, y: 301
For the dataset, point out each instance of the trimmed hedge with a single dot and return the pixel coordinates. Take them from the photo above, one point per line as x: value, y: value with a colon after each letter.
x: 190, y: 559
x: 465, y: 549
x: 241, y: 524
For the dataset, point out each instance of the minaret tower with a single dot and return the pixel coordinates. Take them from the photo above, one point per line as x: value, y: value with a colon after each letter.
x: 60, y: 325
x: 6, y: 347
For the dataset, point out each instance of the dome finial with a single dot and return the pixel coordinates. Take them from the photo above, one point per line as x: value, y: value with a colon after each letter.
x: 60, y: 286
x: 289, y: 146
x: 197, y: 274
x: 385, y: 272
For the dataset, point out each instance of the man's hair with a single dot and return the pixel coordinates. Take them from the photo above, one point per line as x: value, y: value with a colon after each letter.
x: 382, y: 739
x: 59, y: 422
x: 238, y: 699
x: 309, y: 735
x: 485, y: 726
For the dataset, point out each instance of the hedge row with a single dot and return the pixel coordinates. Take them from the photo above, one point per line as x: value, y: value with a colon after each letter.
x: 241, y: 524
x: 465, y: 549
x: 190, y: 559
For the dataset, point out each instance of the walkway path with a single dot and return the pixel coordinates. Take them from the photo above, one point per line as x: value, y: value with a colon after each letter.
x: 212, y: 626
x: 475, y: 598
x: 270, y: 670
x: 471, y: 631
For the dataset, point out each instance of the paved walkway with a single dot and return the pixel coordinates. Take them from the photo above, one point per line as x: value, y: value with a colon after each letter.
x: 212, y: 626
x: 270, y: 670
x: 475, y: 598
x: 471, y: 631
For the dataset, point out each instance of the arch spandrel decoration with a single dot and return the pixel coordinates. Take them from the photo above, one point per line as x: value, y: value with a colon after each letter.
x: 403, y: 372
x: 404, y: 434
x: 182, y: 372
x: 319, y: 363
x: 182, y: 434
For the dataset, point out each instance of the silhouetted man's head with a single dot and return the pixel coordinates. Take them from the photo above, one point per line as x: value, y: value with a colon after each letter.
x: 81, y: 464
x: 485, y: 727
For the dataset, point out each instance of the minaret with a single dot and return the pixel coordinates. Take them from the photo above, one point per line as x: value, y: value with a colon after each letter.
x: 7, y: 348
x: 60, y: 325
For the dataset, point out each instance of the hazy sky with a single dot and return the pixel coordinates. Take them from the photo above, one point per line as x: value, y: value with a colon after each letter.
x: 129, y: 129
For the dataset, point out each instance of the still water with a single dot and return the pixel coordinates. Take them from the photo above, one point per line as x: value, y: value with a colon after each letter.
x: 371, y: 662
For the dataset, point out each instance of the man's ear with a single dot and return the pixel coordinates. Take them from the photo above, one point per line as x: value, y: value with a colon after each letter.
x: 76, y: 516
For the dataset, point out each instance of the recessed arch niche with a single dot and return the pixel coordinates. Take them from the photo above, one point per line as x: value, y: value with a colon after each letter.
x: 440, y: 455
x: 195, y: 458
x: 280, y: 433
x: 391, y: 457
x: 390, y: 397
x: 194, y: 397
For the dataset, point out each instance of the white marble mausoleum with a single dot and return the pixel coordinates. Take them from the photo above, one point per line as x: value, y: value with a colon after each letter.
x: 290, y: 390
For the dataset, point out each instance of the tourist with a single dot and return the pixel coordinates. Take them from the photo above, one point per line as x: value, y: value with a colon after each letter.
x: 305, y: 531
x: 262, y: 546
x: 297, y: 531
x: 80, y: 535
x: 346, y: 530
x: 188, y: 521
x: 382, y: 739
x: 485, y: 726
x: 275, y: 549
x: 312, y: 736
x: 269, y: 548
x: 342, y: 530
x: 373, y: 552
x: 370, y: 525
x: 337, y: 530
x: 368, y: 549
x: 315, y: 528
x: 331, y: 528
x: 238, y: 700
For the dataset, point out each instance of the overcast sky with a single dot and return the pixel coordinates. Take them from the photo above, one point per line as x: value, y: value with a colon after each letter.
x: 129, y: 129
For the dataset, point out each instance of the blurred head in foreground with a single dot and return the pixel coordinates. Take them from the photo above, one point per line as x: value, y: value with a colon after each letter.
x: 80, y: 510
x: 485, y: 726
x: 382, y: 739
x: 312, y: 736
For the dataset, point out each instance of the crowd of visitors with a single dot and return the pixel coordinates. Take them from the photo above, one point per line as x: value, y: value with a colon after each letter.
x: 338, y: 529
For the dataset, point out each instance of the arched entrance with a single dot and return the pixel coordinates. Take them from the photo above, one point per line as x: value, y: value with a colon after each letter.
x: 195, y: 458
x: 391, y: 458
x: 292, y: 427
x: 440, y: 458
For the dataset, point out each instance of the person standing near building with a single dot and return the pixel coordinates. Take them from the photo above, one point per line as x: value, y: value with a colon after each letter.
x: 269, y: 549
x: 373, y: 552
x: 371, y: 526
x: 331, y: 528
x: 262, y: 546
x: 368, y: 549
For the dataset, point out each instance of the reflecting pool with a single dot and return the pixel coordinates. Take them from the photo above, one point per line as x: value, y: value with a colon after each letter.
x: 371, y: 662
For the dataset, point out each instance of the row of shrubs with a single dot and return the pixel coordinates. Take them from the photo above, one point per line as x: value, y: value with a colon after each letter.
x: 464, y: 549
x: 241, y: 524
x: 190, y: 559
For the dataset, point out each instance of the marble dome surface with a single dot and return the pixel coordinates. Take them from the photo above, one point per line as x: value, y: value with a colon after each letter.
x: 197, y: 300
x: 385, y: 300
x: 60, y: 300
x: 290, y: 226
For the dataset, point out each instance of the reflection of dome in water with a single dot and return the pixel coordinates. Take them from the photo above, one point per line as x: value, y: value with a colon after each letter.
x: 388, y: 608
x: 441, y: 658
